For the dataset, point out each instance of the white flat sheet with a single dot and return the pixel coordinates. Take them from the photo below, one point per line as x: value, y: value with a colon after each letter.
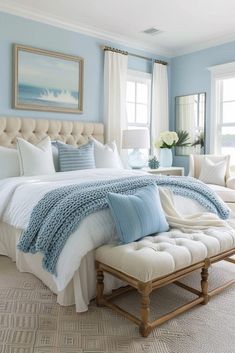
x: 19, y: 195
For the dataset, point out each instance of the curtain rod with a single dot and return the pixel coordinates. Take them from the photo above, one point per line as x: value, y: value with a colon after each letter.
x: 132, y: 54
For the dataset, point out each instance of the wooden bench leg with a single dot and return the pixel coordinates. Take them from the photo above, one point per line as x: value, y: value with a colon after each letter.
x: 204, y: 282
x: 99, y: 287
x: 145, y: 290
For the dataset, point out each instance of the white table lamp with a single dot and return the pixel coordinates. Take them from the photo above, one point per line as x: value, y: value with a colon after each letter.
x: 136, y: 139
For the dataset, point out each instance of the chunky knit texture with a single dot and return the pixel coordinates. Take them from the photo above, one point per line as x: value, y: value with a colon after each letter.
x: 58, y: 214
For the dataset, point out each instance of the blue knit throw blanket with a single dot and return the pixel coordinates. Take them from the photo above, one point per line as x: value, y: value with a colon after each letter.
x: 58, y: 214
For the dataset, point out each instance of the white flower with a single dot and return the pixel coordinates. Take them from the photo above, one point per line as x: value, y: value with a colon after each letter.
x: 158, y: 143
x: 169, y: 138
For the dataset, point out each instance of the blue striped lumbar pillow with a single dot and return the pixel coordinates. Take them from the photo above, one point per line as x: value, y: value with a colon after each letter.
x: 73, y: 158
x: 138, y: 215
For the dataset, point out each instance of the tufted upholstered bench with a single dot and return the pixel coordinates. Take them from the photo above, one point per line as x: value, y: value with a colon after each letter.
x: 156, y: 261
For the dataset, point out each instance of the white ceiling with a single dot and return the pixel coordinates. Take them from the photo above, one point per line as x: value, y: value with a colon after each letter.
x: 185, y: 25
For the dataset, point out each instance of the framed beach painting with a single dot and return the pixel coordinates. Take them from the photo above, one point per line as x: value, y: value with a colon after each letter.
x: 47, y: 81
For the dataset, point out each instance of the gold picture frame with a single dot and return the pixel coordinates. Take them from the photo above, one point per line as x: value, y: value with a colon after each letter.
x: 45, y: 80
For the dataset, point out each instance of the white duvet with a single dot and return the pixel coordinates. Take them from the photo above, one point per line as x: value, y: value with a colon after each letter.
x: 18, y: 196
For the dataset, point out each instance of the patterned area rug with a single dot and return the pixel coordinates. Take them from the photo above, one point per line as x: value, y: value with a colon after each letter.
x: 32, y: 322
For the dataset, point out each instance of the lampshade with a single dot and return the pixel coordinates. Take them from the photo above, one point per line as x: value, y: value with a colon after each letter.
x: 136, y: 138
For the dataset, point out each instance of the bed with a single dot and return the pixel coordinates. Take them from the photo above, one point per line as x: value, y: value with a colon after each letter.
x: 75, y: 282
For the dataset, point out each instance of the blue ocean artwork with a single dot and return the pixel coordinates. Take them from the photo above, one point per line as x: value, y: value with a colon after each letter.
x: 48, y: 96
x: 48, y: 81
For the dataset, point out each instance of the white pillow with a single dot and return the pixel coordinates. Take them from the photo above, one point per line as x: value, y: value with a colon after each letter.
x: 106, y: 156
x: 35, y: 160
x: 9, y: 163
x: 213, y: 172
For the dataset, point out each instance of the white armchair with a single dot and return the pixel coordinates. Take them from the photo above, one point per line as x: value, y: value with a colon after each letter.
x: 227, y: 192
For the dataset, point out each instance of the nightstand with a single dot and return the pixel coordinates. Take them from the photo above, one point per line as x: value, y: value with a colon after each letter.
x: 179, y: 171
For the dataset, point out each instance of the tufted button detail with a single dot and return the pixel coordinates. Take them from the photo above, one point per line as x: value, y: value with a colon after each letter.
x: 167, y: 254
x: 74, y: 132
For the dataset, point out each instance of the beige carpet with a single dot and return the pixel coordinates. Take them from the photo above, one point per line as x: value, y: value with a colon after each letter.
x: 32, y: 322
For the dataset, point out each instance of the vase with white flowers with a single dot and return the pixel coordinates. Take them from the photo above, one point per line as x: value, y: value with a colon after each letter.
x: 168, y: 140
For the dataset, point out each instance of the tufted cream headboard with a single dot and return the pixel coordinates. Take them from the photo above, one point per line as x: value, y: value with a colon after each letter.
x: 33, y: 130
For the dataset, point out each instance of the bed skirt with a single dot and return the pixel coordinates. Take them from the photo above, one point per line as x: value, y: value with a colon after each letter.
x: 80, y: 290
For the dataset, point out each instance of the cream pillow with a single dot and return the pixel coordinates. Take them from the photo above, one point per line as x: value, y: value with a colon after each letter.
x: 9, y: 163
x: 213, y: 172
x: 106, y: 156
x: 35, y: 160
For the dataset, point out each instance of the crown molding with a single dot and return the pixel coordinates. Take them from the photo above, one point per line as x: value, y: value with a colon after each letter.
x: 158, y: 50
x: 190, y: 49
x: 39, y: 16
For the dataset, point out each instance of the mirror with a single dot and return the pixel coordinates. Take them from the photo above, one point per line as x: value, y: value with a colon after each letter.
x: 190, y: 116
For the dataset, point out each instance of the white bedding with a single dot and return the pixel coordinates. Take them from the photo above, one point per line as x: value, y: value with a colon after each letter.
x: 19, y: 195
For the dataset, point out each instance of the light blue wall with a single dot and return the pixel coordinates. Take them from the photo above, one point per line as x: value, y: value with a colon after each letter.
x: 18, y: 30
x: 189, y: 74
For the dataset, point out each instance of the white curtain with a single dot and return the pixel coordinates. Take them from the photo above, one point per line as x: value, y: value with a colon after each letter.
x: 115, y: 74
x: 160, y: 102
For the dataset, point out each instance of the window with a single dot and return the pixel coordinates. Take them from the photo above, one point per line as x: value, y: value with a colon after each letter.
x: 223, y: 110
x: 227, y: 118
x: 138, y: 95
